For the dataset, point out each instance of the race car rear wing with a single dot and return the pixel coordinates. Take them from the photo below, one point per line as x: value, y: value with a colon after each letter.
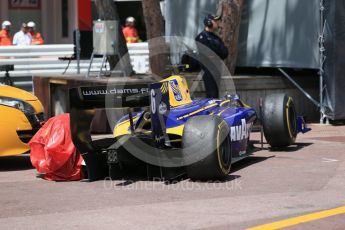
x: 84, y: 101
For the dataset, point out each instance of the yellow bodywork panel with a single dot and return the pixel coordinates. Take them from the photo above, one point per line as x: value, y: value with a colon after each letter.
x: 9, y: 91
x: 173, y: 85
x: 181, y: 88
x: 123, y: 127
x: 12, y: 120
x: 37, y: 105
x: 12, y: 92
x: 178, y: 130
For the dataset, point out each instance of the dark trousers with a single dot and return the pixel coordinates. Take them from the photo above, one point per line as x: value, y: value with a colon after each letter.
x: 211, y: 85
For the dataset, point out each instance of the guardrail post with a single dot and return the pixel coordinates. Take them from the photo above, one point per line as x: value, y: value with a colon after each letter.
x: 78, y: 50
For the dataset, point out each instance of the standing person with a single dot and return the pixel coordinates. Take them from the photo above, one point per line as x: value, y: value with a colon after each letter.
x: 130, y: 32
x: 209, y: 39
x: 5, y: 35
x: 22, y: 37
x: 36, y: 36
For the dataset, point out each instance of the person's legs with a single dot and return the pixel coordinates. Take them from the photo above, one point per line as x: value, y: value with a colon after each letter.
x: 211, y: 86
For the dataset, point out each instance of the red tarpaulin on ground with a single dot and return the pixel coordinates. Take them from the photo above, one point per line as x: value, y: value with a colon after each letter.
x: 53, y: 152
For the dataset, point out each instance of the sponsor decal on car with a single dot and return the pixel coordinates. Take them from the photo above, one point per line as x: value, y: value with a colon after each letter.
x: 96, y: 92
x: 163, y: 108
x: 176, y: 90
x: 242, y: 131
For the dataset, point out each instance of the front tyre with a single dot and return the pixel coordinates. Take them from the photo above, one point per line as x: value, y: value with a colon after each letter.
x: 279, y: 120
x: 207, y: 138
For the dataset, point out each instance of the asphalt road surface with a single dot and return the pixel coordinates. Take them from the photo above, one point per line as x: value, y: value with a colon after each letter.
x: 268, y: 187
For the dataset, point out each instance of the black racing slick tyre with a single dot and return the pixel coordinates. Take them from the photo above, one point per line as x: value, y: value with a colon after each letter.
x: 206, y: 139
x: 279, y: 120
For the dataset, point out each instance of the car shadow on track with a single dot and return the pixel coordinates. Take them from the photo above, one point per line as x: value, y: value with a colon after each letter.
x: 292, y: 148
x: 129, y: 178
x: 248, y: 162
x: 15, y: 163
x: 228, y: 178
x: 128, y: 182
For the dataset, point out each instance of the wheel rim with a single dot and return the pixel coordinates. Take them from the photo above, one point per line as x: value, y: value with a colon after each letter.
x: 226, y: 152
x: 292, y: 120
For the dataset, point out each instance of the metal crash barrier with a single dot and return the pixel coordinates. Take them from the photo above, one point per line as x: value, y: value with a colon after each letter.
x: 58, y: 59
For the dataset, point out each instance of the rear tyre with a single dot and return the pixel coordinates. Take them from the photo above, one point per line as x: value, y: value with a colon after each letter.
x: 279, y: 120
x: 207, y: 139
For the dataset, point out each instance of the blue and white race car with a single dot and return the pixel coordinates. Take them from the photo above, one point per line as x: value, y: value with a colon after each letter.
x: 172, y: 134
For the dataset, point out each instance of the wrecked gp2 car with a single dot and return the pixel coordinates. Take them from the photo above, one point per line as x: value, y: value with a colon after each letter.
x: 21, y: 117
x: 171, y: 134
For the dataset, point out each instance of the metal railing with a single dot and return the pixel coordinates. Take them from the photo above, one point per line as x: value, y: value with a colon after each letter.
x: 41, y: 60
